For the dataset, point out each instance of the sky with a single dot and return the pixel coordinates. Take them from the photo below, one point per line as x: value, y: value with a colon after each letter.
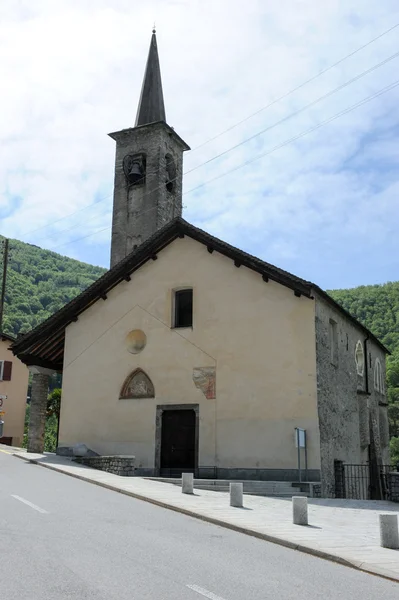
x: 315, y: 190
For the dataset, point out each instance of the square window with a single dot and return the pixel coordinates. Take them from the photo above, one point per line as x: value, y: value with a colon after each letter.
x: 5, y: 370
x: 183, y: 308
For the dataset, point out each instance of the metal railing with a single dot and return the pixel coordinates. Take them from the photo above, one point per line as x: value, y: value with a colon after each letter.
x: 362, y: 481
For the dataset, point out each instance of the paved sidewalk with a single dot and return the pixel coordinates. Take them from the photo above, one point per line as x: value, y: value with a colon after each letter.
x: 345, y: 531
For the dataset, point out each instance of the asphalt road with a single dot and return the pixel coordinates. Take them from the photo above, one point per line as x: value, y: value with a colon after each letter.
x: 61, y: 538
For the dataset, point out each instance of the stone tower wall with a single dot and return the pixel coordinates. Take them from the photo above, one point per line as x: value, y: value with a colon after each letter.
x: 140, y: 210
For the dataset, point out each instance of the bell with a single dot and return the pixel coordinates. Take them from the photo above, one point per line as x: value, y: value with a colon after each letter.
x: 135, y: 173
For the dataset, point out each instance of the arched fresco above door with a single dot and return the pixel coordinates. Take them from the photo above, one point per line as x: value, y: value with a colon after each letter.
x: 137, y: 385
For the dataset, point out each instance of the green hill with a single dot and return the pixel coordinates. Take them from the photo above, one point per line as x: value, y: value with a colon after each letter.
x: 40, y: 282
x: 377, y: 307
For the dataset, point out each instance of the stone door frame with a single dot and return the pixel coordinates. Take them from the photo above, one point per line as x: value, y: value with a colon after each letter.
x: 158, y: 431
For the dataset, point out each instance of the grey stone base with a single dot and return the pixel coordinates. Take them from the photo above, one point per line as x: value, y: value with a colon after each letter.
x: 144, y: 472
x: 118, y: 465
x: 234, y: 473
x: 267, y: 474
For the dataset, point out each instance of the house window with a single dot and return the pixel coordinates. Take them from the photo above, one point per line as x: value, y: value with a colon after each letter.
x: 378, y: 379
x: 5, y: 370
x: 183, y: 308
x: 359, y: 358
x: 333, y: 333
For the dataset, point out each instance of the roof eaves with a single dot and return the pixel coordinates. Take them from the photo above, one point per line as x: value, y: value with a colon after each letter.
x: 31, y: 360
x: 248, y: 260
x: 124, y: 133
x: 6, y: 336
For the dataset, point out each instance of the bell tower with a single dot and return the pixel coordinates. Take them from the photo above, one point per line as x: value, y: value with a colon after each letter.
x: 148, y: 168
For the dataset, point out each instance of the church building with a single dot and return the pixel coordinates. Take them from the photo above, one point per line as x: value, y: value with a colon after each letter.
x: 191, y: 354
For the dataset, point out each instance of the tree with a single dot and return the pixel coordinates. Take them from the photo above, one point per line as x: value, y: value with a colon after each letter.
x: 394, y: 448
x: 52, y: 417
x: 54, y: 403
x: 50, y: 434
x: 393, y: 417
x: 393, y: 372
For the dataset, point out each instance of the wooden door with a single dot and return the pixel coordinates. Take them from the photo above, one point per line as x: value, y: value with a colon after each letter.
x: 178, y: 440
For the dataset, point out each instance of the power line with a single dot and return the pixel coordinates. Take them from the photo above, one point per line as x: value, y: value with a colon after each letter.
x: 274, y: 149
x: 269, y: 128
x: 67, y: 216
x: 285, y: 95
x: 297, y: 137
x: 300, y: 110
x: 298, y: 87
x: 58, y: 233
x: 81, y: 238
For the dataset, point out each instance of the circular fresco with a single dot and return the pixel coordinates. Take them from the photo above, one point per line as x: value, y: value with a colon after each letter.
x: 136, y: 341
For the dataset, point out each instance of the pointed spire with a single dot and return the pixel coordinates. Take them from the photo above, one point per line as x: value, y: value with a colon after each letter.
x: 151, y: 106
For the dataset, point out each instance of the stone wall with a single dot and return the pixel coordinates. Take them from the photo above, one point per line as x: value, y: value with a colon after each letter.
x: 352, y: 414
x: 38, y: 408
x: 118, y: 465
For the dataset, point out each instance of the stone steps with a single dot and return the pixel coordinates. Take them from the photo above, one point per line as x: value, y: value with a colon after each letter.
x: 253, y: 488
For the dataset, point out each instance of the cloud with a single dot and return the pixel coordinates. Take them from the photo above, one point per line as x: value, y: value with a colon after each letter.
x: 323, y: 206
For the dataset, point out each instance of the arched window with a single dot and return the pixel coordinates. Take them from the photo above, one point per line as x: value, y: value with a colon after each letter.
x: 137, y: 385
x: 170, y: 179
x: 378, y: 378
x: 359, y: 358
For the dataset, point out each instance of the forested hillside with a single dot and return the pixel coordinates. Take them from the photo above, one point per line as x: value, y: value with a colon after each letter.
x: 377, y: 306
x: 39, y: 283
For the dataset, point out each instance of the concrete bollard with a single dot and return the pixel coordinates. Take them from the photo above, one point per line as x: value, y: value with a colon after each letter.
x: 389, y: 533
x: 300, y: 510
x: 187, y: 483
x: 236, y: 494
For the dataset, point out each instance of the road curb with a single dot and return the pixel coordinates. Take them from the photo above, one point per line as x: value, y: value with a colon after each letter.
x: 251, y: 532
